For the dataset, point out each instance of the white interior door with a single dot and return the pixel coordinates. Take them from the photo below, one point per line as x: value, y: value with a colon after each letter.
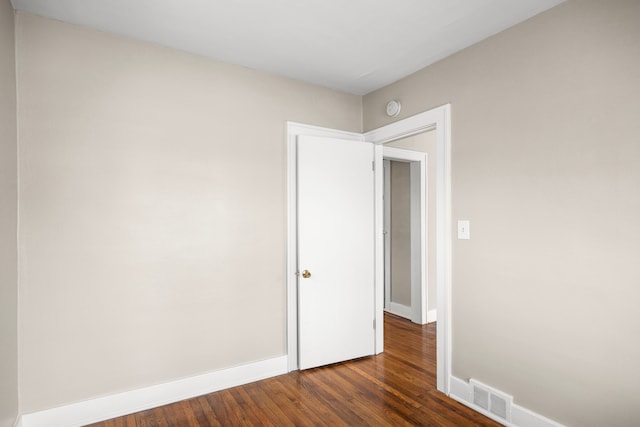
x: 336, y: 248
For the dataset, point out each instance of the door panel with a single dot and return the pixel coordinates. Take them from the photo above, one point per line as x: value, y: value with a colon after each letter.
x: 336, y: 246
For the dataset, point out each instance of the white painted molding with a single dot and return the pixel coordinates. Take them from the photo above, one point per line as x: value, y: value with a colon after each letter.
x: 432, y: 316
x: 413, y: 125
x: 524, y: 417
x: 18, y: 422
x: 439, y: 119
x: 116, y: 405
x: 378, y: 210
x: 295, y: 129
x: 400, y: 310
x: 462, y: 391
x: 387, y: 231
x: 401, y: 154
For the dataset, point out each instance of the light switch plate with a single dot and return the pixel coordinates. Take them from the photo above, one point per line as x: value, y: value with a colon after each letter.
x: 464, y: 233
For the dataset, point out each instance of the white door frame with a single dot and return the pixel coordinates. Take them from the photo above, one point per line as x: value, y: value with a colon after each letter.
x: 439, y: 119
x: 418, y: 227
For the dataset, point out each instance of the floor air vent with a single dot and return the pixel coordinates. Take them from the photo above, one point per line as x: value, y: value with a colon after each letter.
x: 492, y: 400
x: 481, y: 397
x: 498, y: 406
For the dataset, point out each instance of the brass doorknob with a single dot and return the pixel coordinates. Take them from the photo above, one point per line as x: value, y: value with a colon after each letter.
x: 306, y: 274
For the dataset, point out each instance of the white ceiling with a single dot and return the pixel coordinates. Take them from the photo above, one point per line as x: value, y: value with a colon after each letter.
x: 355, y: 46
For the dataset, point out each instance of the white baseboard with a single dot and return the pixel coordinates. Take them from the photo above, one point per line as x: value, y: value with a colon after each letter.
x: 117, y: 405
x: 399, y: 310
x: 406, y: 312
x: 18, y: 422
x: 462, y: 391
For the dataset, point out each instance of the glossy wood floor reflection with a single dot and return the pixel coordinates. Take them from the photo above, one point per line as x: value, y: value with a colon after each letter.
x: 395, y: 388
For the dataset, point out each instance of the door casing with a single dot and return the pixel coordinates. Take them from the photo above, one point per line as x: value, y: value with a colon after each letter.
x: 438, y: 119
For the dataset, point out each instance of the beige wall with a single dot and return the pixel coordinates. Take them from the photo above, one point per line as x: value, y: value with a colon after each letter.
x: 8, y: 221
x: 153, y: 210
x: 545, y: 156
x: 426, y: 143
x: 400, y: 232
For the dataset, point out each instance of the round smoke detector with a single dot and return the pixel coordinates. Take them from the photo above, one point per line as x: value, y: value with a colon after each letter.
x: 393, y: 108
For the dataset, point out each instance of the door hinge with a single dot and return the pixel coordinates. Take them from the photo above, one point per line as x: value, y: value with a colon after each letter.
x: 373, y: 165
x: 374, y: 323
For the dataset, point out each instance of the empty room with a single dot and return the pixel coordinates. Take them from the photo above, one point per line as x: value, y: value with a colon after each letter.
x: 192, y: 212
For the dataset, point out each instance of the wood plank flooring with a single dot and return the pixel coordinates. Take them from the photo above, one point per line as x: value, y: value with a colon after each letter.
x: 395, y: 388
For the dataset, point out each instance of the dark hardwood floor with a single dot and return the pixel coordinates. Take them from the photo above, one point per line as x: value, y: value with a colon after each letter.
x: 395, y: 388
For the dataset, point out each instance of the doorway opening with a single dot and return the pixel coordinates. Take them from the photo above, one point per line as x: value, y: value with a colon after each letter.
x: 398, y: 284
x: 437, y: 119
x: 409, y: 227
